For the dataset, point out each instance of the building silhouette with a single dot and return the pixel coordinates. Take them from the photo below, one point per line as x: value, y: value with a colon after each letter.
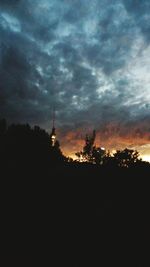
x: 53, y: 132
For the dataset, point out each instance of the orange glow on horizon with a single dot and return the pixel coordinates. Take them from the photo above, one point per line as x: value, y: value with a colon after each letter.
x: 145, y: 157
x: 69, y: 152
x: 110, y: 137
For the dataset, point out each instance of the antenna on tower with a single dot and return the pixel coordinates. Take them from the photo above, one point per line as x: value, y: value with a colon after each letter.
x: 53, y: 117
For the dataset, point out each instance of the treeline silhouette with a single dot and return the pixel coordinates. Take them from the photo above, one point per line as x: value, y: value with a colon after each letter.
x: 23, y: 146
x: 126, y: 158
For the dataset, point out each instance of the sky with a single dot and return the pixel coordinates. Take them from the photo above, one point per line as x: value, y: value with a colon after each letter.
x: 88, y: 59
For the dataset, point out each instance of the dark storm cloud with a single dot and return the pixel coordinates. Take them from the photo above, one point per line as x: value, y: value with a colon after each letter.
x: 140, y: 11
x: 9, y: 3
x: 89, y: 59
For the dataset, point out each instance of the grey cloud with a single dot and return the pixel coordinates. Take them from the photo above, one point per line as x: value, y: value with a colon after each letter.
x: 140, y: 11
x: 69, y: 54
x: 9, y: 3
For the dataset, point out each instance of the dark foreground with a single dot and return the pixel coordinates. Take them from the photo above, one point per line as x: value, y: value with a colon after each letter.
x: 81, y: 215
x: 69, y: 213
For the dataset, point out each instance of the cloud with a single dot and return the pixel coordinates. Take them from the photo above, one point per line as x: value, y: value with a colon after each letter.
x: 140, y: 11
x: 88, y: 59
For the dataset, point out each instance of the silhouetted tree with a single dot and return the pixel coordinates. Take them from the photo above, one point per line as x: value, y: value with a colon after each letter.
x: 126, y: 157
x: 21, y: 144
x: 87, y: 153
x: 98, y: 154
x: 108, y: 160
x: 91, y: 153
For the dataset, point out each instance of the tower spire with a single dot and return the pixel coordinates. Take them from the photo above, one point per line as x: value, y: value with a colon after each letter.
x: 53, y: 118
x: 53, y: 133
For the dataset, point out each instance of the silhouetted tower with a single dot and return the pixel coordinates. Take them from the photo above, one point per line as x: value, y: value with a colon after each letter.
x: 53, y: 133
